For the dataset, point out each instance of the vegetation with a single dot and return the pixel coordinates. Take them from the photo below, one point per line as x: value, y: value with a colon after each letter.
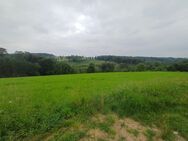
x: 91, y: 68
x: 34, y: 106
x: 107, y: 67
x: 33, y: 64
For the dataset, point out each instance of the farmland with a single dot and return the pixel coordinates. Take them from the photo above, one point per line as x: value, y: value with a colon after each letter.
x: 33, y: 107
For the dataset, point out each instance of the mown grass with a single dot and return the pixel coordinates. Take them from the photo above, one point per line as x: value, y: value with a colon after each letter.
x: 35, y: 105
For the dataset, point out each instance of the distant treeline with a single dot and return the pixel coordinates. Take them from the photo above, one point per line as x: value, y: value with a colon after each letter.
x: 126, y: 63
x: 33, y: 64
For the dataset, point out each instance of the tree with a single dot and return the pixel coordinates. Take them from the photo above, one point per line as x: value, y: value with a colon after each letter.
x: 63, y: 68
x: 47, y: 66
x: 141, y: 67
x: 91, y: 68
x: 181, y: 66
x: 107, y: 67
x: 10, y: 67
x: 3, y: 51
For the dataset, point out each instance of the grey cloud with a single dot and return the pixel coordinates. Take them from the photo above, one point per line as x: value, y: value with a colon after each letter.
x: 84, y: 27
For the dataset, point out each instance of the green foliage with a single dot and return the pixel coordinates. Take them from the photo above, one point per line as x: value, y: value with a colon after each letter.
x: 180, y: 66
x: 150, y: 134
x: 63, y: 68
x: 11, y: 66
x: 71, y: 136
x: 31, y: 64
x: 107, y: 67
x: 47, y: 66
x: 91, y: 68
x: 141, y: 67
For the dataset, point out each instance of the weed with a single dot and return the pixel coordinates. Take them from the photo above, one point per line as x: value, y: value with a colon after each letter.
x: 150, y: 134
x: 71, y: 136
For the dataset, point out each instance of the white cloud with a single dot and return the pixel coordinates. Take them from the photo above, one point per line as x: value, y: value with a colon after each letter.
x: 82, y: 27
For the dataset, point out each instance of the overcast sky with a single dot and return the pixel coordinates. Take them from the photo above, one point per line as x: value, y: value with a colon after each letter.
x: 96, y: 27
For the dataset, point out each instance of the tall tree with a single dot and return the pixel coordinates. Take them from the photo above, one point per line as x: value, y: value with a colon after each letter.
x: 3, y: 51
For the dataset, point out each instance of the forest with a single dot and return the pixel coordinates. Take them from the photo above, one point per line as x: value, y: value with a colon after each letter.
x: 23, y: 63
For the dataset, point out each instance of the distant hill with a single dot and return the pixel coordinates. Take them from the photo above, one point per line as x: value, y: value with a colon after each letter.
x: 137, y: 60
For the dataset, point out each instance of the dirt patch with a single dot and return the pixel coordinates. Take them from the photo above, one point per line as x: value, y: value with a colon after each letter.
x: 98, y: 118
x: 124, y: 130
x: 110, y: 128
x: 129, y: 130
x: 95, y: 135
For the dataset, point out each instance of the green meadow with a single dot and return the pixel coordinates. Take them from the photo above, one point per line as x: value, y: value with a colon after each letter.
x: 31, y: 107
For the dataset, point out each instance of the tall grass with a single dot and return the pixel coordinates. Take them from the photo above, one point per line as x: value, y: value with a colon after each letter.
x: 35, y: 105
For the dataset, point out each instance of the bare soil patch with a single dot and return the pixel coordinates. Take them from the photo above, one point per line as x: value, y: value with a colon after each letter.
x: 119, y: 129
x: 125, y: 130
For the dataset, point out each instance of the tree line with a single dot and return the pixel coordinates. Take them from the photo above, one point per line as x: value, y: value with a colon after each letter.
x: 28, y: 64
x: 126, y: 63
x: 34, y: 64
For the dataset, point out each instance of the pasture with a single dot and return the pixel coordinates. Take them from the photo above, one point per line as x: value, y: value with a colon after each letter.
x: 33, y: 107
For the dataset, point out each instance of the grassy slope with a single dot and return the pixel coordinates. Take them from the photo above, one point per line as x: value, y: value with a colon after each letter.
x: 36, y: 105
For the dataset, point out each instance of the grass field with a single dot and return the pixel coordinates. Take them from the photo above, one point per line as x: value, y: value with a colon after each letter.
x: 33, y: 106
